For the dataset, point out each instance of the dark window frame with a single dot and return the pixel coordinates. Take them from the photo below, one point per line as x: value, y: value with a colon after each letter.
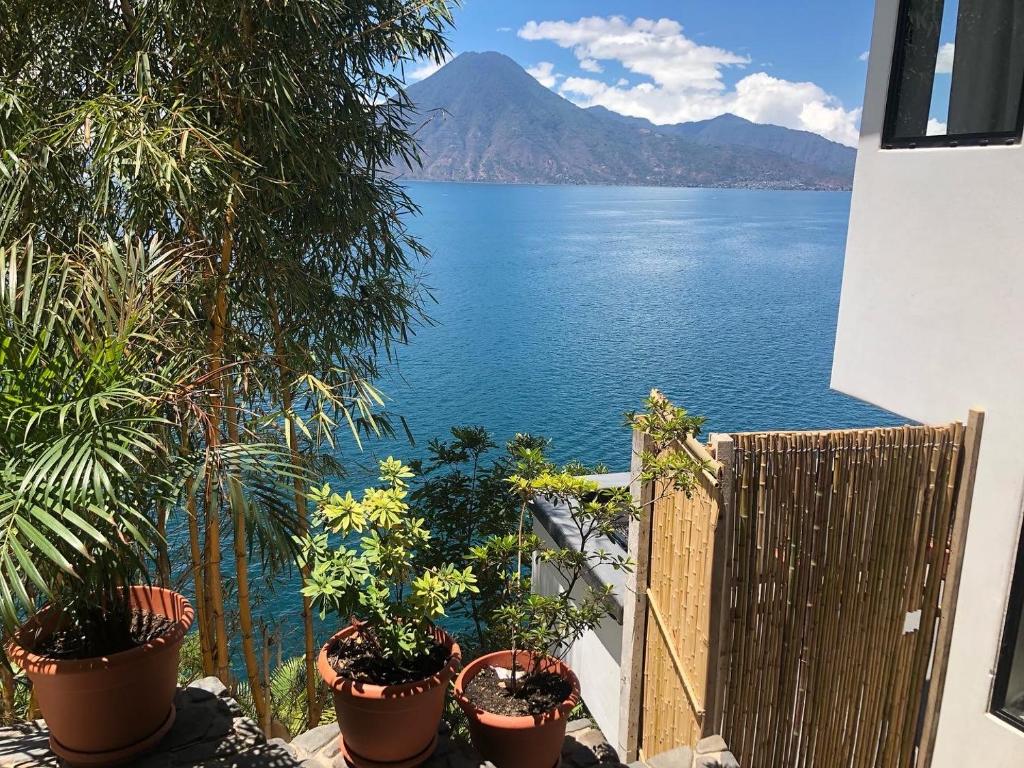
x: 889, y: 141
x: 1007, y: 647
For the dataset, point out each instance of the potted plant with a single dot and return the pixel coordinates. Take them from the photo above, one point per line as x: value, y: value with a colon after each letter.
x: 85, y: 376
x: 517, y: 701
x: 390, y: 668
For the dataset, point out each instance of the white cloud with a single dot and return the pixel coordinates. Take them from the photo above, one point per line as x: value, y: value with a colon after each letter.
x: 865, y: 56
x: 944, y: 62
x: 425, y: 69
x: 684, y: 80
x: 622, y: 82
x: 591, y: 65
x: 545, y: 74
x: 503, y: 29
x: 936, y: 128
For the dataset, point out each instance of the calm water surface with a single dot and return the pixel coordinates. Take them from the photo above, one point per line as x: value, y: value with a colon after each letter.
x: 559, y: 308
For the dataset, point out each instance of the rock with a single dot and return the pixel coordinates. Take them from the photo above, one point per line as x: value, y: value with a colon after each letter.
x: 579, y: 725
x: 711, y: 744
x: 318, y: 738
x: 717, y: 760
x: 210, y: 685
x: 681, y: 757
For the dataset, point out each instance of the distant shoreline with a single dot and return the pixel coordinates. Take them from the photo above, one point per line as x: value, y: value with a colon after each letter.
x: 403, y: 178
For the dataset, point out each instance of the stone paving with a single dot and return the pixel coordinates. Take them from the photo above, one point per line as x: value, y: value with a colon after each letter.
x: 210, y: 732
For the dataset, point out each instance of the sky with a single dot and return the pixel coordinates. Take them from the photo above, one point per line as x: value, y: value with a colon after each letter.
x: 797, y: 63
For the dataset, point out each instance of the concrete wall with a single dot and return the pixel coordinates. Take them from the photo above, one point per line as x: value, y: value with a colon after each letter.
x: 594, y: 657
x: 931, y: 323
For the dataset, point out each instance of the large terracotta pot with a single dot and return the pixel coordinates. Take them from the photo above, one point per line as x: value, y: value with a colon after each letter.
x: 530, y: 741
x: 107, y: 710
x: 393, y: 725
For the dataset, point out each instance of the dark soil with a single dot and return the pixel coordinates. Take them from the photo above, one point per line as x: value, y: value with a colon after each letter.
x: 535, y: 694
x: 356, y: 659
x: 80, y: 642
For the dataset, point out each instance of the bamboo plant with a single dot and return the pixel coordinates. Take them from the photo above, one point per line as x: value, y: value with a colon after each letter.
x: 255, y: 136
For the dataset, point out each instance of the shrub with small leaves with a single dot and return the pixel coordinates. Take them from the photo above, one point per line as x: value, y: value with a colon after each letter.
x: 546, y: 625
x: 361, y: 556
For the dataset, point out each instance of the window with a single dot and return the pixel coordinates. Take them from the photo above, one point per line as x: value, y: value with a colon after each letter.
x: 1008, y: 699
x: 957, y: 74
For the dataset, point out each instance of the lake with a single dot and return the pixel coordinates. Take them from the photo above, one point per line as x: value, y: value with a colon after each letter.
x: 559, y: 308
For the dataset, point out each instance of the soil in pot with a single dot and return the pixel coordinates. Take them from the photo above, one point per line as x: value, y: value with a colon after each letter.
x: 353, y: 658
x: 83, y: 643
x: 534, y: 694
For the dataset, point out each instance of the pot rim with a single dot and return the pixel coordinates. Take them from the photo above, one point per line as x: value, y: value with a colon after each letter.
x: 37, y: 664
x: 515, y: 722
x: 362, y: 690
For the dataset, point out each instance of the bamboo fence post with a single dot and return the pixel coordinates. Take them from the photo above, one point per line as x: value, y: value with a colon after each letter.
x: 951, y: 588
x: 719, y: 617
x: 634, y: 613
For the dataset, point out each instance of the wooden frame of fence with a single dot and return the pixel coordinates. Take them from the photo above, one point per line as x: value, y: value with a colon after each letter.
x: 935, y: 488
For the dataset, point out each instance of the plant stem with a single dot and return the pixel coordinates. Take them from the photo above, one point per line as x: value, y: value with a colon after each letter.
x: 236, y: 502
x: 198, y: 576
x: 313, y: 712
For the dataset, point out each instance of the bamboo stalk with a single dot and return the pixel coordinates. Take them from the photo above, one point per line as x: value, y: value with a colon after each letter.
x: 313, y: 709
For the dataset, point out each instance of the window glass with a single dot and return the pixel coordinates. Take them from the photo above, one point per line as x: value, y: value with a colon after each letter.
x: 1008, y: 701
x: 958, y: 72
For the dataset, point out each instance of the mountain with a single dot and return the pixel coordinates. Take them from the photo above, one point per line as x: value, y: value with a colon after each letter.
x: 726, y: 129
x: 482, y: 117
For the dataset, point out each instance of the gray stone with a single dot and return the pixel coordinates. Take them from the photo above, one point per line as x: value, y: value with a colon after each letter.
x: 716, y: 760
x: 579, y: 725
x: 681, y: 757
x: 711, y: 744
x: 210, y: 685
x: 318, y: 738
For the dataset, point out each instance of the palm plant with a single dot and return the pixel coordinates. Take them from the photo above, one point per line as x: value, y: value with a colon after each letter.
x: 89, y: 373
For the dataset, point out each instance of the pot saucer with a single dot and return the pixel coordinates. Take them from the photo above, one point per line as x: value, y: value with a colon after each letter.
x: 358, y: 761
x: 116, y: 756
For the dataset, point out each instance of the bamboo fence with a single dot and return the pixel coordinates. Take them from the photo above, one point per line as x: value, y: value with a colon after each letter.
x: 800, y: 598
x: 679, y: 613
x: 835, y: 568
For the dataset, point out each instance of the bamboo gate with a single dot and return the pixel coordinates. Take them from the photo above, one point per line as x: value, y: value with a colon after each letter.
x: 800, y: 600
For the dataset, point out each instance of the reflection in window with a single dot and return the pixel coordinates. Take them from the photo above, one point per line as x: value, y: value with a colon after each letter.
x: 1008, y: 701
x: 958, y: 72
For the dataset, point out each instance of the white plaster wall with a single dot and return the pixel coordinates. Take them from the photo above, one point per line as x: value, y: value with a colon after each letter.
x: 931, y: 324
x: 594, y: 657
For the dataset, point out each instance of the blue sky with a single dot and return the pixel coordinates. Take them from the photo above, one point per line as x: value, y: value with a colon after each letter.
x: 793, y: 63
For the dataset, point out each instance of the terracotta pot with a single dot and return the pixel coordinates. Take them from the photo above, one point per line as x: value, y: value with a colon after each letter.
x: 389, y: 725
x: 530, y: 741
x: 107, y: 710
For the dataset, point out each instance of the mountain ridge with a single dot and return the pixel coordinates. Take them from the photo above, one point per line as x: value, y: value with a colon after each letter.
x: 482, y: 117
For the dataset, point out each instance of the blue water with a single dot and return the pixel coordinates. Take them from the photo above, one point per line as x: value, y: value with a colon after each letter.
x: 559, y: 308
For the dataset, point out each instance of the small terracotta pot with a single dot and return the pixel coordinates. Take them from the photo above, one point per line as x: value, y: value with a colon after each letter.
x: 110, y: 709
x: 389, y: 725
x: 530, y: 741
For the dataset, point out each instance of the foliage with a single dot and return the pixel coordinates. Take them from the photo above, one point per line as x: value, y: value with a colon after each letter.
x: 545, y: 625
x: 89, y: 368
x: 666, y: 425
x: 464, y: 496
x: 253, y: 136
x: 377, y: 583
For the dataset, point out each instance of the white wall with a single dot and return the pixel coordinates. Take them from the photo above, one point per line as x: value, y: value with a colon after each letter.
x: 931, y: 323
x: 594, y: 657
